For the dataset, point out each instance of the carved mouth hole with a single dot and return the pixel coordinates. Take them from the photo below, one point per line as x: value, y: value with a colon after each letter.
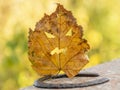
x: 58, y: 51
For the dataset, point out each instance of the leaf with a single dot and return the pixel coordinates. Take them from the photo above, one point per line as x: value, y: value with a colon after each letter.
x: 57, y: 45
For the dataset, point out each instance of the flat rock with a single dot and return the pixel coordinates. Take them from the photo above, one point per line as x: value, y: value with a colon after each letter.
x: 109, y: 70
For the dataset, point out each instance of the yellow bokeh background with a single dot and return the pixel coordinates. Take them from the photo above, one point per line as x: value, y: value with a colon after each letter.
x: 100, y: 20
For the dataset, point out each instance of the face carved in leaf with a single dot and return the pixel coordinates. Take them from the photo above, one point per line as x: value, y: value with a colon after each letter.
x: 57, y: 45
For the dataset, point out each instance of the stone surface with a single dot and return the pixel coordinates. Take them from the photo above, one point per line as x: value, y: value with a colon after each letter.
x: 110, y: 70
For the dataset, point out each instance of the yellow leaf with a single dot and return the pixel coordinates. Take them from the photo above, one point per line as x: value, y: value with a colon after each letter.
x: 57, y: 45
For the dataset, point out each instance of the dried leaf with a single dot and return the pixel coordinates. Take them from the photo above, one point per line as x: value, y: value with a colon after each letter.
x: 57, y: 45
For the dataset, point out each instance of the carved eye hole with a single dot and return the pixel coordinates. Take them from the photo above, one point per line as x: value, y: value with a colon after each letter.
x: 69, y: 33
x: 49, y: 35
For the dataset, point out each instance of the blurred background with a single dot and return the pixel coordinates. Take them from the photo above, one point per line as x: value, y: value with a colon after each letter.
x: 100, y: 20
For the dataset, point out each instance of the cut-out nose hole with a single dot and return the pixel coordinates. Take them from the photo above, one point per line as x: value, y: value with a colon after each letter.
x: 69, y: 33
x: 58, y: 51
x: 49, y: 35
